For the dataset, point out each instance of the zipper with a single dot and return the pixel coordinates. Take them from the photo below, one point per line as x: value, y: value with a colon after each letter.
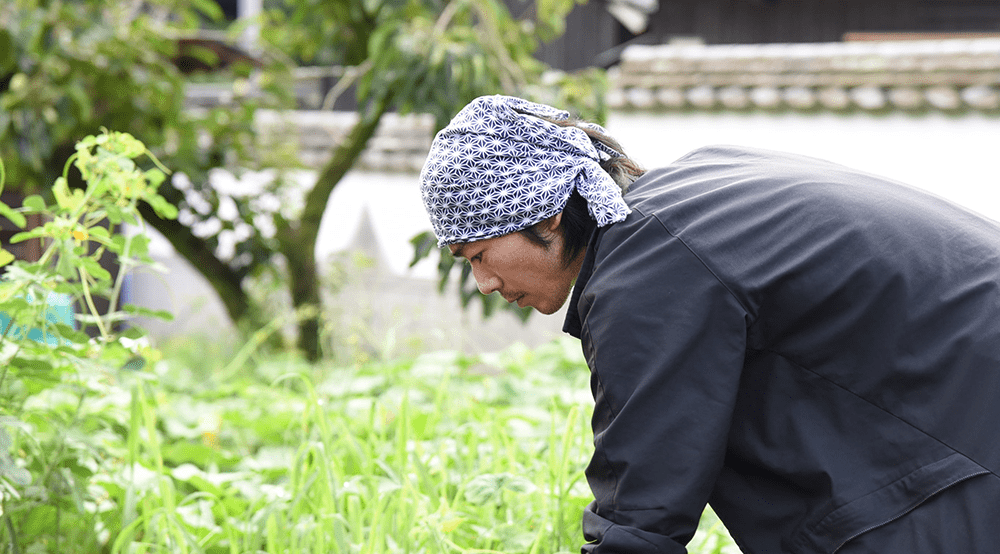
x: 906, y: 511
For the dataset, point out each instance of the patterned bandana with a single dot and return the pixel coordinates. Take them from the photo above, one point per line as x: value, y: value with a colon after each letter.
x: 496, y: 169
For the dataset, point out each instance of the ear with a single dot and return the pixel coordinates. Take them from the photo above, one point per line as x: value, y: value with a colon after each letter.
x: 551, y: 223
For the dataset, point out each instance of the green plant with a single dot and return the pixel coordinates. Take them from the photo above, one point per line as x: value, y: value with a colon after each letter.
x: 58, y: 385
x: 68, y: 67
x: 442, y: 453
x: 107, y: 448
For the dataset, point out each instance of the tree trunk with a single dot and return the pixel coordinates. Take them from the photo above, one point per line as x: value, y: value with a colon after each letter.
x: 298, y: 241
x: 300, y: 253
x: 227, y: 283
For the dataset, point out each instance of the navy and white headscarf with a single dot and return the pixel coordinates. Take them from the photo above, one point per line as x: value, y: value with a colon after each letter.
x: 497, y: 169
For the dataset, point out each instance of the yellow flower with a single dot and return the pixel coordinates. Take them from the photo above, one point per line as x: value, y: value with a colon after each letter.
x: 210, y: 439
x: 80, y: 236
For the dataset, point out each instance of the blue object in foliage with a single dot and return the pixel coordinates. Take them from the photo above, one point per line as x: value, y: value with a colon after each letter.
x: 58, y: 310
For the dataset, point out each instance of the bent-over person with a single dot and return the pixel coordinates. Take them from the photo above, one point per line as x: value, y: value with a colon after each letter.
x: 811, y: 349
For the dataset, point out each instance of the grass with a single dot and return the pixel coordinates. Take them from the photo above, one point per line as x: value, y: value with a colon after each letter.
x: 439, y: 454
x: 442, y: 453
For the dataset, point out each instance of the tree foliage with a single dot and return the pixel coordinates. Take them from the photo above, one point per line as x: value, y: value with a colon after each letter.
x: 69, y: 68
x: 427, y: 56
x: 89, y: 63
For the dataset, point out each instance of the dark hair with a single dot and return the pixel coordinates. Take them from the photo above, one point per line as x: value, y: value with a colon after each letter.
x: 576, y: 225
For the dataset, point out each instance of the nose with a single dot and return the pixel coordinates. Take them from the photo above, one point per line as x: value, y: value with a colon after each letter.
x: 487, y: 282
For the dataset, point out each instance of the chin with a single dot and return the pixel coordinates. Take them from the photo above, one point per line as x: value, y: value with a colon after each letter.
x: 546, y: 310
x: 550, y: 308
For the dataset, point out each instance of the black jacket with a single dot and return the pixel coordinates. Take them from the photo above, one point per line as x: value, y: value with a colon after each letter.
x: 811, y: 349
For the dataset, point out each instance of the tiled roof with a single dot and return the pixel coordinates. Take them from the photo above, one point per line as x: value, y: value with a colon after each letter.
x: 950, y: 75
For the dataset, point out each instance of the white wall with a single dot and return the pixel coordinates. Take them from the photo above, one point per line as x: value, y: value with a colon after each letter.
x: 954, y: 157
x: 394, y: 299
x: 397, y: 214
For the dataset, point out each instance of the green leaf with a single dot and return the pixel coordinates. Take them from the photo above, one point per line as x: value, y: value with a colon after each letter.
x: 95, y: 270
x: 31, y: 365
x: 464, y: 276
x: 67, y: 200
x: 6, y: 257
x: 98, y: 231
x: 72, y: 335
x: 34, y: 203
x: 489, y: 488
x: 66, y: 267
x: 141, y: 311
x: 41, y: 519
x: 115, y: 214
x: 17, y: 475
x: 135, y: 363
x: 208, y: 8
x: 116, y: 144
x: 16, y: 218
x: 190, y: 473
x: 203, y: 54
x: 86, y: 143
x: 155, y: 177
x: 26, y: 235
x: 133, y: 333
x: 76, y: 92
x: 164, y: 209
x: 445, y: 263
x: 139, y: 246
x: 422, y: 245
x: 186, y: 452
x: 10, y: 302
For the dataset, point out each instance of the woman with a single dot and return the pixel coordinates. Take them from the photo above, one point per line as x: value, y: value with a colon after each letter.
x: 812, y: 350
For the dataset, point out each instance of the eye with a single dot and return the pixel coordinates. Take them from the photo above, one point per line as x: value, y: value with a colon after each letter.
x: 477, y: 258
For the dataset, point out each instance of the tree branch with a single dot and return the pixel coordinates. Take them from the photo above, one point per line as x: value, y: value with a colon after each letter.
x: 344, y: 157
x: 226, y: 281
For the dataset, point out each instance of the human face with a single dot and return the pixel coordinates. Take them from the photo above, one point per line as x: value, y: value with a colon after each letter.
x: 521, y: 270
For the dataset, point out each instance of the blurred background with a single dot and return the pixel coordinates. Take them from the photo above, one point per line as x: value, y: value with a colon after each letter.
x: 296, y: 129
x: 329, y: 382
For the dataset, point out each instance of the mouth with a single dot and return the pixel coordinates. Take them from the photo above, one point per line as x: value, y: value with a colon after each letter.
x: 513, y: 299
x: 519, y: 301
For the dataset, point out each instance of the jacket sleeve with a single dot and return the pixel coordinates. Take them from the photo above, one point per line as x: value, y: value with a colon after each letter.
x: 665, y: 341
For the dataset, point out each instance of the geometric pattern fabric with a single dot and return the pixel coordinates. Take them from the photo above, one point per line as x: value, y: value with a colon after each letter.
x: 497, y: 169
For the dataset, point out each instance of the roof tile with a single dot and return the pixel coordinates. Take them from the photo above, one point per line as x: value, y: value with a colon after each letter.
x: 945, y: 74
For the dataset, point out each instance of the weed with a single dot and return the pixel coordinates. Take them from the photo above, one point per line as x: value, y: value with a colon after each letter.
x: 107, y: 448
